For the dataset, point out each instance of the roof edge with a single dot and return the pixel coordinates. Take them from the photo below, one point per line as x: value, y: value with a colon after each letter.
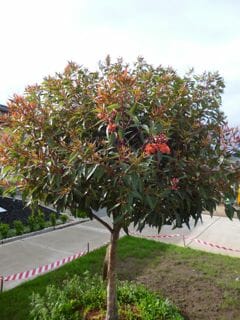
x: 3, y: 108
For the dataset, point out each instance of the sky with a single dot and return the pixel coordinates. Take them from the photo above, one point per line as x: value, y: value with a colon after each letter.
x: 38, y: 38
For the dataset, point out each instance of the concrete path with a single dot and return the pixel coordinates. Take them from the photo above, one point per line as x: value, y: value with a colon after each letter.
x: 29, y: 253
x: 218, y: 231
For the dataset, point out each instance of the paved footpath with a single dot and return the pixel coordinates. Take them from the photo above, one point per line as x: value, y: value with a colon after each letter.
x: 29, y: 253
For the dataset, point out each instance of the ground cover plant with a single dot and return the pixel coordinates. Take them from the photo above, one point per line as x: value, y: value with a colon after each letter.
x: 85, y: 298
x: 141, y: 141
x: 200, y: 284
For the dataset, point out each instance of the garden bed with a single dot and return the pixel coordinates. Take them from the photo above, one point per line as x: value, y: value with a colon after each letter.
x: 16, y: 210
x: 20, y: 220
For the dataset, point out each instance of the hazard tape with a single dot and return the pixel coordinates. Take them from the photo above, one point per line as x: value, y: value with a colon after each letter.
x: 157, y: 236
x: 203, y: 242
x: 213, y: 245
x: 59, y: 263
x: 43, y: 269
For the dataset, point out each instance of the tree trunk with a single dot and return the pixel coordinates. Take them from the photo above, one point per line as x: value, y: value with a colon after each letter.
x: 112, y: 310
x: 105, y: 264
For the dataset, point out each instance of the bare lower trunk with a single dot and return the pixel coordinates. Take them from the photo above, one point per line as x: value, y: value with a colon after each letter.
x: 112, y: 311
x: 105, y: 264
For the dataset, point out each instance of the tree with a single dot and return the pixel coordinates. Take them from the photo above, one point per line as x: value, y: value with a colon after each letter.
x: 140, y: 141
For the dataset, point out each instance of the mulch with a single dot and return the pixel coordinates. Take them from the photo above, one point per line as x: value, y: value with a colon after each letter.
x: 16, y: 210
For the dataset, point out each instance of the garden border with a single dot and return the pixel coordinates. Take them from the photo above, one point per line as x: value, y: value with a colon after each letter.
x: 45, y: 230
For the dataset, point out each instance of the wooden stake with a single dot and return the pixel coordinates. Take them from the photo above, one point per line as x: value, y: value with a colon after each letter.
x: 1, y: 284
x: 184, y: 242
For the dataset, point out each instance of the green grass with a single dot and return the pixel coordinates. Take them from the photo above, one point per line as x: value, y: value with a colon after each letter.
x: 137, y: 258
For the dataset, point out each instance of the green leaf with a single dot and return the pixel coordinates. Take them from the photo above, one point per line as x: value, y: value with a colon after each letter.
x: 134, y: 118
x: 91, y: 171
x: 151, y: 201
x: 114, y: 207
x: 113, y: 106
x: 146, y: 128
x: 137, y: 195
x: 10, y: 191
x: 178, y: 220
x: 133, y: 109
x: 229, y: 210
x: 99, y: 173
x: 5, y: 170
x: 73, y: 156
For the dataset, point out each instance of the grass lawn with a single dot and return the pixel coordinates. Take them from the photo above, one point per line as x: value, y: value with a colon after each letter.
x: 202, y: 285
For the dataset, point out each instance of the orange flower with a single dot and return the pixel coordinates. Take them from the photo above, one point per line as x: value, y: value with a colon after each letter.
x: 111, y: 127
x: 164, y: 148
x: 150, y: 148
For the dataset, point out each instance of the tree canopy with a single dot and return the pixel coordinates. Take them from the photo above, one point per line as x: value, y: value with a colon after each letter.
x: 143, y: 142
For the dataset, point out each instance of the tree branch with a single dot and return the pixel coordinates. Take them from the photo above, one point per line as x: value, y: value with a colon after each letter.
x: 105, y: 224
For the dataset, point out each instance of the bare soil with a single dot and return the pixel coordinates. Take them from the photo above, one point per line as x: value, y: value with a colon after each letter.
x: 199, y: 290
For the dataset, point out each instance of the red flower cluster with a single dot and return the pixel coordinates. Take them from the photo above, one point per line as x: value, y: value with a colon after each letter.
x: 157, y: 143
x: 163, y: 147
x: 152, y: 148
x: 161, y: 138
x: 111, y: 127
x: 174, y: 183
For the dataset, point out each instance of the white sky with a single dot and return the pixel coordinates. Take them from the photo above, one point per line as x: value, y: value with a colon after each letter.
x: 38, y: 38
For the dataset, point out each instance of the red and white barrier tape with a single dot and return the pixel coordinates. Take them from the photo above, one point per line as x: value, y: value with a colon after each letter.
x: 213, y: 245
x: 58, y: 263
x: 205, y: 243
x: 42, y: 269
x: 157, y: 236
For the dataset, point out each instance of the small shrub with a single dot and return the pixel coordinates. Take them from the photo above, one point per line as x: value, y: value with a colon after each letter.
x: 4, y: 229
x: 19, y: 227
x: 80, y: 296
x: 64, y: 218
x: 80, y: 213
x: 149, y: 305
x: 41, y: 220
x: 32, y: 222
x: 53, y: 219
